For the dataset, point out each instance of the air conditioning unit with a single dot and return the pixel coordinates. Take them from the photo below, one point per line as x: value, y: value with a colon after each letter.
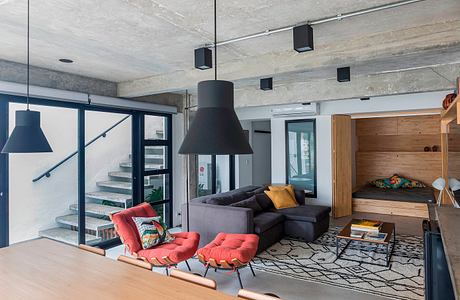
x: 304, y: 109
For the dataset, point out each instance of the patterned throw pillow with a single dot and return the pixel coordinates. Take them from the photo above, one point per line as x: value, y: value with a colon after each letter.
x: 152, y: 231
x: 395, y: 181
x: 411, y: 183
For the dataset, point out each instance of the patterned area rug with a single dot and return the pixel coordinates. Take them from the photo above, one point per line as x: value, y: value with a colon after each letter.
x: 316, y: 262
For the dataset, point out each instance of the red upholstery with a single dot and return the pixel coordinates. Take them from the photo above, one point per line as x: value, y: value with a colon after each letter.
x: 228, y: 246
x: 126, y: 228
x: 182, y: 248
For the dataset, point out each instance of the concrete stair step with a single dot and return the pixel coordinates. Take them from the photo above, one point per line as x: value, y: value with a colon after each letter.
x: 119, y: 185
x: 154, y: 150
x: 91, y: 223
x: 98, y: 209
x: 67, y: 236
x: 148, y: 166
x: 127, y: 176
x: 109, y: 196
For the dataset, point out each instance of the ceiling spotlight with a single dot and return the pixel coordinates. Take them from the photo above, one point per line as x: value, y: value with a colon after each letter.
x: 365, y: 98
x: 203, y: 58
x: 343, y: 74
x: 66, y: 60
x: 303, y: 38
x: 266, y: 84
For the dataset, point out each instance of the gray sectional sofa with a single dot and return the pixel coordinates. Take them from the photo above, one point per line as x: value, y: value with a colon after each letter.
x: 212, y: 214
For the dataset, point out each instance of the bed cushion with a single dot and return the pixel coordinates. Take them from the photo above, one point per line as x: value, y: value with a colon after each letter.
x: 417, y: 195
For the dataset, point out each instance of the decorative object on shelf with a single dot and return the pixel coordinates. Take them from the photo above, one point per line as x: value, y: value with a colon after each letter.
x: 435, y: 148
x: 427, y: 149
x: 27, y: 136
x: 448, y: 100
x: 215, y: 129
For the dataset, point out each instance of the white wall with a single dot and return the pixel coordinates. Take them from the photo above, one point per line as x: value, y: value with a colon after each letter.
x: 394, y: 103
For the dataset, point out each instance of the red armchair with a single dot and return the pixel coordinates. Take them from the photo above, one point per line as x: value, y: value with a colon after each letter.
x: 166, y: 255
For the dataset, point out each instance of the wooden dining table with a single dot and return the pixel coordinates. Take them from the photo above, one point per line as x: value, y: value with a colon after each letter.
x: 45, y: 269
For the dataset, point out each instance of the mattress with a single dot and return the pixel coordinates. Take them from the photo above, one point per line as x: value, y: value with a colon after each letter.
x: 418, y: 195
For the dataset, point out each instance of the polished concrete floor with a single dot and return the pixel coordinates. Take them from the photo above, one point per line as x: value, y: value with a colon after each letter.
x: 289, y: 288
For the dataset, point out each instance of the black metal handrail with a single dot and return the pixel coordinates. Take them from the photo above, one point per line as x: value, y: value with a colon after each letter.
x: 47, y: 173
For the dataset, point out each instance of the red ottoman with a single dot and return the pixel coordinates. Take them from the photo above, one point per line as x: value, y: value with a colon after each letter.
x: 165, y: 255
x: 229, y: 251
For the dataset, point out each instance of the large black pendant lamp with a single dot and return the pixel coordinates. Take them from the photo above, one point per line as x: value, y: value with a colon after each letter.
x: 27, y: 136
x: 215, y: 129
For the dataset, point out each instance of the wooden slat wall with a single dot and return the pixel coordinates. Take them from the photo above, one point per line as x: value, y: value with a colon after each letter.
x: 425, y: 167
x: 395, y: 145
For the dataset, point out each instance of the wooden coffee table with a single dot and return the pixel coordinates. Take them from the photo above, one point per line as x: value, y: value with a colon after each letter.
x: 388, y: 228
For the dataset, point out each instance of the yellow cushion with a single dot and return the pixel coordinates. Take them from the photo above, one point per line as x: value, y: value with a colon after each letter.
x: 281, y: 198
x: 289, y: 188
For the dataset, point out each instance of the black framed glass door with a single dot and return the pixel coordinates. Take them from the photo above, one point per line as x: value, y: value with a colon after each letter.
x: 88, y: 142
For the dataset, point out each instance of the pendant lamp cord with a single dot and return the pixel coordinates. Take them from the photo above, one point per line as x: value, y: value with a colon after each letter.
x: 28, y: 51
x: 215, y: 39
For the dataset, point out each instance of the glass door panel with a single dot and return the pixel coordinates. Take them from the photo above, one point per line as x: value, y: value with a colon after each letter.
x: 222, y: 173
x: 156, y: 188
x: 42, y: 202
x: 301, y: 155
x: 204, y: 175
x: 156, y: 158
x: 108, y: 171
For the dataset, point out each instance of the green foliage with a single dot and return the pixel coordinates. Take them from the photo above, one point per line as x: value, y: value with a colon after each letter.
x: 155, y: 195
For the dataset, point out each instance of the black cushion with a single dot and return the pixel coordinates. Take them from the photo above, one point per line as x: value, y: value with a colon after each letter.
x: 258, y: 191
x: 264, y: 201
x: 266, y: 220
x: 306, y: 213
x: 251, y: 203
x: 221, y: 200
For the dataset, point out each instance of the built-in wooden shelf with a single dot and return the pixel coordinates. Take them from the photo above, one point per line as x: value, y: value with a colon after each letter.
x: 451, y: 113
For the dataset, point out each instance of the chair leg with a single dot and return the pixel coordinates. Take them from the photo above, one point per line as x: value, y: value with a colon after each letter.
x: 206, y: 272
x: 188, y: 266
x: 252, y: 270
x: 239, y: 278
x: 167, y: 271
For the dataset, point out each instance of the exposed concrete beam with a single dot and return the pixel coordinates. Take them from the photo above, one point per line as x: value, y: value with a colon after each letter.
x: 171, y: 99
x: 16, y: 72
x: 363, y: 49
x: 411, y: 81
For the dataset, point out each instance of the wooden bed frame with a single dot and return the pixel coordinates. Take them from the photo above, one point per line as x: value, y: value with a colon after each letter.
x: 389, y: 207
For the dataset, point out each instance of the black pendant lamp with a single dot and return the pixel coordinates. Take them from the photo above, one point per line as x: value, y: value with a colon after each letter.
x: 27, y: 136
x: 215, y: 129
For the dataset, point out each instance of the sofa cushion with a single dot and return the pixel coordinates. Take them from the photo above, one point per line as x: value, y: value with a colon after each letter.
x: 306, y: 213
x: 221, y: 200
x: 266, y: 220
x: 258, y: 191
x: 264, y: 201
x: 228, y: 246
x: 251, y: 203
x: 282, y: 199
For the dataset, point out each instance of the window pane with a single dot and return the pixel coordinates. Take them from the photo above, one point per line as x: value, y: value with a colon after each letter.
x: 301, y: 155
x: 156, y: 158
x: 156, y: 188
x: 108, y: 172
x: 204, y: 175
x: 163, y: 211
x: 222, y: 173
x: 155, y: 128
x: 38, y: 208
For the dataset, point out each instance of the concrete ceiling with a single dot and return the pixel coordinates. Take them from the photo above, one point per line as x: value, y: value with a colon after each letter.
x: 153, y: 40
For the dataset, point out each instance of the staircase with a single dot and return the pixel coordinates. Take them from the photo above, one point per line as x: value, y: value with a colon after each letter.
x: 112, y: 196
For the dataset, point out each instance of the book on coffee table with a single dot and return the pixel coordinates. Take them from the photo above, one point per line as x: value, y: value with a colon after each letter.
x: 366, y: 226
x: 380, y: 237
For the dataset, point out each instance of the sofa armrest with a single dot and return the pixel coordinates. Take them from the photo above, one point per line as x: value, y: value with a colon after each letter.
x: 208, y: 220
x: 300, y: 196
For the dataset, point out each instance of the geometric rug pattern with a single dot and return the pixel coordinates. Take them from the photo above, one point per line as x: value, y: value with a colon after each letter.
x: 316, y: 262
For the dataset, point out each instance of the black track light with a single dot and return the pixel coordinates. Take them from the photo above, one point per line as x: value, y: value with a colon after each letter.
x: 303, y: 38
x: 266, y: 84
x: 203, y: 58
x: 343, y: 74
